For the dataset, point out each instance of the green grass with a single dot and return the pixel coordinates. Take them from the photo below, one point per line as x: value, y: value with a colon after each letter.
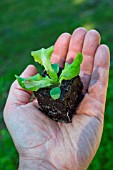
x: 30, y: 25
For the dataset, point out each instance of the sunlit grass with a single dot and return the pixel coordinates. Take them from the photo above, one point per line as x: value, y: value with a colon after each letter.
x: 78, y: 2
x: 89, y: 26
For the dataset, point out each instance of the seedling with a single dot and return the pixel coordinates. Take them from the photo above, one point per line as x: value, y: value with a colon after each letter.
x: 52, y: 79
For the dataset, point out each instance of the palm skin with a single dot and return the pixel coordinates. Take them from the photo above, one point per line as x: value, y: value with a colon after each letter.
x: 52, y: 145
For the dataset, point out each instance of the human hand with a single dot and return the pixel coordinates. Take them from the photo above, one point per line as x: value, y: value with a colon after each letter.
x: 45, y: 144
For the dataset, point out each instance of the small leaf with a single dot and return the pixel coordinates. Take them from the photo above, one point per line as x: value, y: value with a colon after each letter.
x: 34, y: 83
x: 43, y: 56
x: 55, y: 92
x: 20, y: 81
x: 71, y: 70
x: 55, y: 68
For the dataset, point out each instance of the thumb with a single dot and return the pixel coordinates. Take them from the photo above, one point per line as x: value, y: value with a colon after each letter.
x: 17, y: 94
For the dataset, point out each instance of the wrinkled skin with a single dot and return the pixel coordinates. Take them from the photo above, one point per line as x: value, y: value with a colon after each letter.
x: 52, y: 145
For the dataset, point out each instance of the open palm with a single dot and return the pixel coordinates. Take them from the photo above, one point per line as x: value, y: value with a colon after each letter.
x: 52, y: 145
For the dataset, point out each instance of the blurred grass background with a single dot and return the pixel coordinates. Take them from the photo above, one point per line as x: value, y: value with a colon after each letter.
x: 29, y: 25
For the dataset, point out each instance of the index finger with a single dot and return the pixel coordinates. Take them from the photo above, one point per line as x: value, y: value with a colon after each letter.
x: 60, y: 49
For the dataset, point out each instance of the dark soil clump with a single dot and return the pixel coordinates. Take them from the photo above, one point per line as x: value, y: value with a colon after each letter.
x: 64, y: 108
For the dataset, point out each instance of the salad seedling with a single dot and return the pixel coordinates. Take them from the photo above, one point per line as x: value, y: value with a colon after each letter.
x: 43, y: 56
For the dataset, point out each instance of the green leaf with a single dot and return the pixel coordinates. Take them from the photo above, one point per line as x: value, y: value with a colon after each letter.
x: 55, y: 92
x: 43, y: 56
x: 21, y: 81
x: 71, y: 70
x: 34, y: 83
x: 55, y: 68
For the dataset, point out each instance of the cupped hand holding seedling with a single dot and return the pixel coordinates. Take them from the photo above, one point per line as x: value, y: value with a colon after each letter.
x: 45, y: 144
